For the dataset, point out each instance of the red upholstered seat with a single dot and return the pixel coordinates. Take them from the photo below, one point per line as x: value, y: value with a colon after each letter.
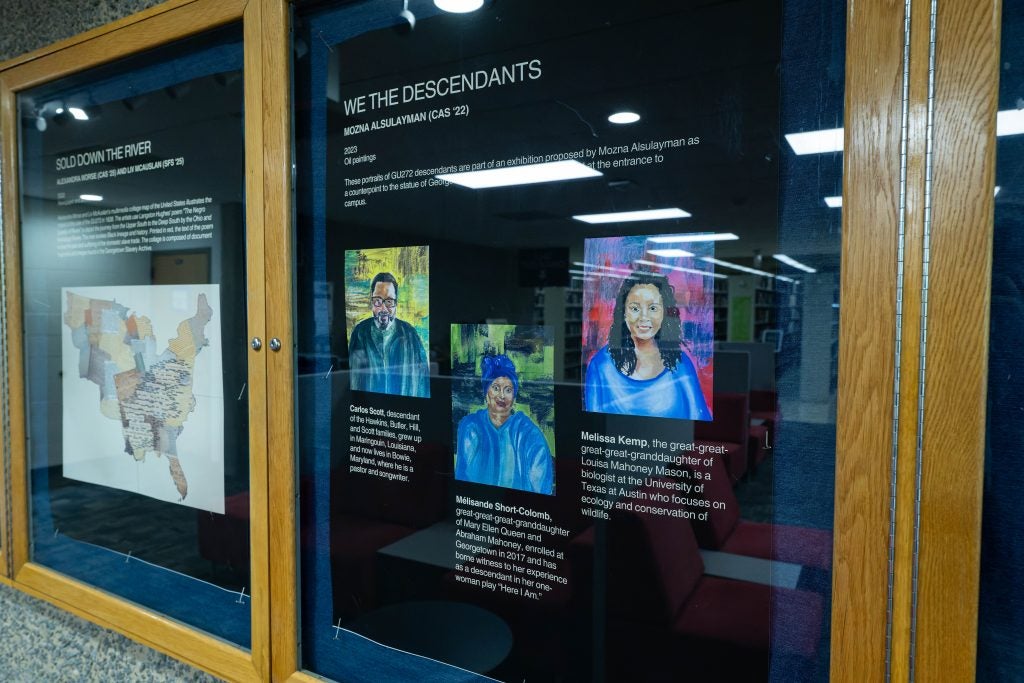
x: 755, y: 446
x: 730, y: 428
x: 662, y: 607
x: 724, y: 530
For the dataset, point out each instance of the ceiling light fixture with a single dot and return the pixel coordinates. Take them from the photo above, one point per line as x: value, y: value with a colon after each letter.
x: 629, y: 216
x: 816, y: 141
x: 705, y: 273
x: 794, y: 263
x: 693, y: 237
x: 736, y: 266
x: 670, y: 253
x: 1009, y: 122
x: 521, y: 175
x: 624, y: 117
x: 459, y: 6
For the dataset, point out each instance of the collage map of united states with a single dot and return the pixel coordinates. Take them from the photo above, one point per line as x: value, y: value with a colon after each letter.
x: 149, y: 393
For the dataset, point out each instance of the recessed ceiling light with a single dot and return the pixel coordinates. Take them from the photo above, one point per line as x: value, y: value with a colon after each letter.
x: 459, y: 6
x: 78, y: 113
x: 693, y: 237
x: 622, y: 117
x: 794, y: 263
x: 834, y: 202
x: 627, y: 216
x: 521, y: 175
x: 670, y: 253
x: 816, y: 141
x: 90, y: 198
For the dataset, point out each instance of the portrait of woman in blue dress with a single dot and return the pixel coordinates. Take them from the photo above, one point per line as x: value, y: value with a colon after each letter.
x: 642, y: 370
x: 498, y: 445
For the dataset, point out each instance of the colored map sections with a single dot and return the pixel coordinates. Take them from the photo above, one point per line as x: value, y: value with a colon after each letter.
x: 149, y: 393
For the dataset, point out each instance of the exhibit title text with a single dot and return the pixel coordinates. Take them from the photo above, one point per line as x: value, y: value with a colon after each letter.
x: 99, y: 156
x: 480, y: 79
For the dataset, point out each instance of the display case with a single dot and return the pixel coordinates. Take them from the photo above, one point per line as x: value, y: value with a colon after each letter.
x: 134, y: 282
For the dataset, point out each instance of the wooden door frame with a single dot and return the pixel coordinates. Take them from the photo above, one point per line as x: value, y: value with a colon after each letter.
x: 173, y: 20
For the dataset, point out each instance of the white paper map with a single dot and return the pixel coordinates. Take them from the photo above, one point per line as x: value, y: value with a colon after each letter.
x: 143, y: 406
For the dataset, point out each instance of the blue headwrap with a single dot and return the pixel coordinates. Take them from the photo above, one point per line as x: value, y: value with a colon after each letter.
x: 494, y: 366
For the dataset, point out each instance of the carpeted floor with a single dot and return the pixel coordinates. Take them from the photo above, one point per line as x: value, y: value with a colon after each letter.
x: 41, y: 643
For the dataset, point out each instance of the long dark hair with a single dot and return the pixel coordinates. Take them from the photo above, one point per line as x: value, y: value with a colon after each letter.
x: 669, y: 337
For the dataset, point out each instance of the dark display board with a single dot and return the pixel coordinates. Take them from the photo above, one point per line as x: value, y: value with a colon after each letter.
x: 518, y: 443
x: 133, y: 269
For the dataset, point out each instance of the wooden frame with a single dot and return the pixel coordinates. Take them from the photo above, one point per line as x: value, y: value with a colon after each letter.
x: 168, y: 22
x: 967, y: 66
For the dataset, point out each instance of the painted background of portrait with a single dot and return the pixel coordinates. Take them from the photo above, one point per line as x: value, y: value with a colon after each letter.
x: 531, y: 348
x: 608, y: 257
x: 409, y: 265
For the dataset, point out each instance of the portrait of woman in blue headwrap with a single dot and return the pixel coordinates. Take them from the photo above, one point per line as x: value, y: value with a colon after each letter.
x: 642, y: 370
x: 498, y: 445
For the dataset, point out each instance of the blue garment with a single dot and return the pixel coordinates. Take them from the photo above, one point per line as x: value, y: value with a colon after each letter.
x: 514, y: 455
x: 673, y: 393
x: 388, y: 363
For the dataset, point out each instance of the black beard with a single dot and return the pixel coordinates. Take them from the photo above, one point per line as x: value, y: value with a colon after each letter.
x: 383, y: 319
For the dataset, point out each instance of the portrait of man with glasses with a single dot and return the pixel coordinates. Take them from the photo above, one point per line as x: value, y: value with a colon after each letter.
x: 386, y: 354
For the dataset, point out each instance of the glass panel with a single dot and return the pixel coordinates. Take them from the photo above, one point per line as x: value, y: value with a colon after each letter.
x: 1001, y: 616
x: 133, y: 268
x: 538, y: 441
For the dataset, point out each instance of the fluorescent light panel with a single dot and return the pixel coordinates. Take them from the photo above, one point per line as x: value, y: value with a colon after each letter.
x: 521, y: 175
x: 670, y: 253
x: 613, y: 269
x: 90, y: 197
x: 834, y: 202
x: 693, y: 237
x: 680, y: 269
x: 744, y: 269
x: 1010, y: 122
x: 628, y: 216
x: 794, y: 263
x: 816, y: 141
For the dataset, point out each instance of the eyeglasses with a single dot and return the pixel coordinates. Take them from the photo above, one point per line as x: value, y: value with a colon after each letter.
x: 387, y: 303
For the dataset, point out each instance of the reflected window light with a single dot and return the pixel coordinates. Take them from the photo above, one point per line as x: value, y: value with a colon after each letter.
x: 521, y: 175
x: 78, y: 113
x: 694, y: 237
x: 90, y: 198
x: 996, y: 193
x: 624, y: 117
x: 459, y: 6
x: 1010, y: 122
x: 670, y: 253
x: 816, y: 141
x: 834, y: 202
x: 794, y: 263
x: 628, y: 216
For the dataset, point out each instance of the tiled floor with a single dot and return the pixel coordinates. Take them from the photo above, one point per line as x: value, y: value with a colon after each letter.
x: 41, y: 643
